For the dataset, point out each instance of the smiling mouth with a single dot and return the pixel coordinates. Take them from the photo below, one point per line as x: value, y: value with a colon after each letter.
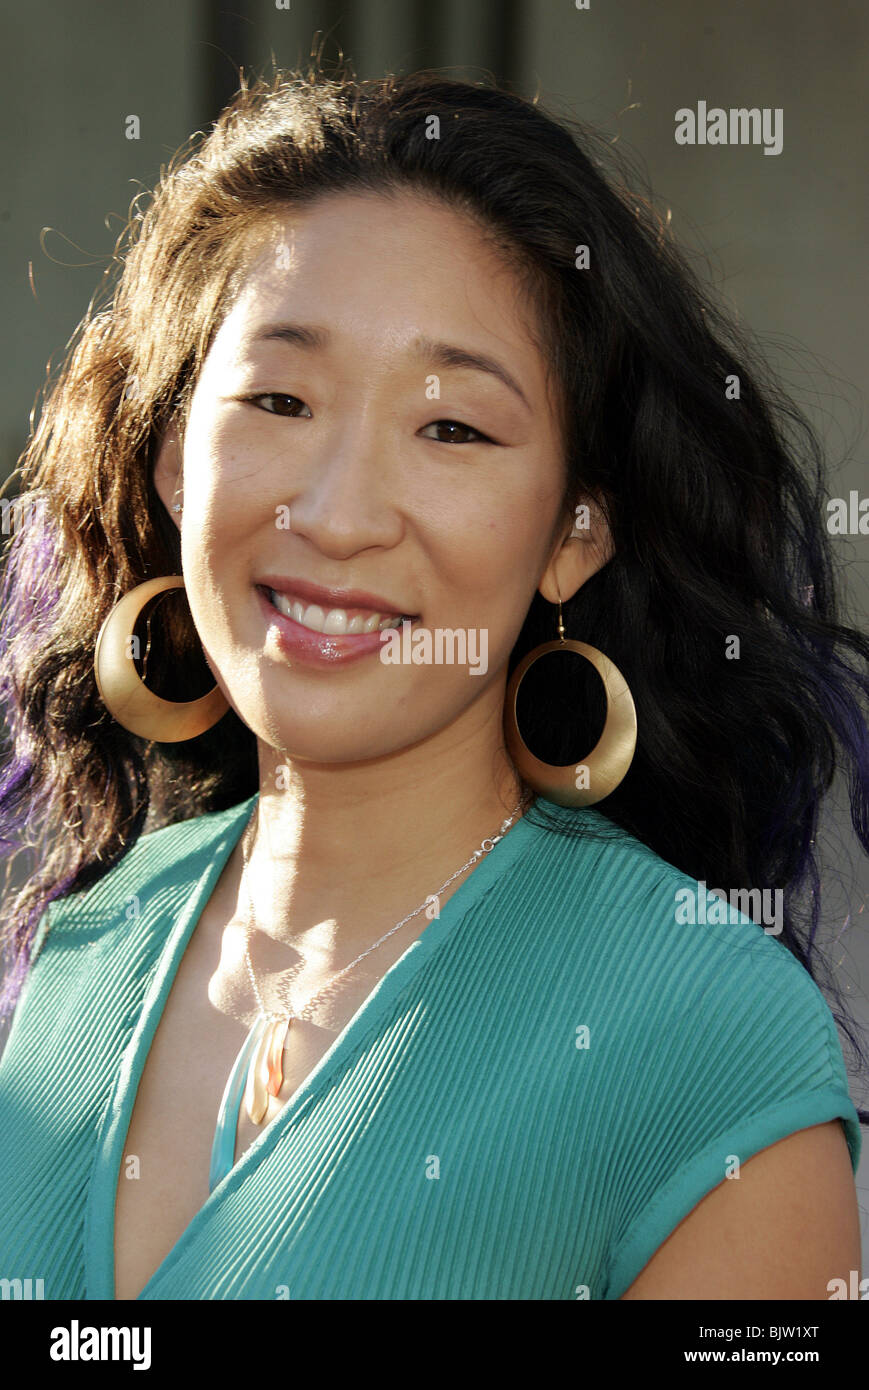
x: 334, y: 621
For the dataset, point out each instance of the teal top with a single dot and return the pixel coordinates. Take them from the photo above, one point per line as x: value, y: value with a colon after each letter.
x: 534, y: 1095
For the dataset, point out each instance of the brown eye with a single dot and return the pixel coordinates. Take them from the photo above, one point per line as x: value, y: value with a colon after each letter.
x: 451, y: 438
x: 287, y: 405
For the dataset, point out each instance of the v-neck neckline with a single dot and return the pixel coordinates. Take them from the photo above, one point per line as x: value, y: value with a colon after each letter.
x: 100, y: 1206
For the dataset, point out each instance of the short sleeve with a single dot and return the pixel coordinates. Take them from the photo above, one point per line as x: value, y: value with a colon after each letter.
x: 757, y: 1058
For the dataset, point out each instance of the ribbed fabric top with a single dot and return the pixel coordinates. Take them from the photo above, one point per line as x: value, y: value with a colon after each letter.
x: 536, y: 1093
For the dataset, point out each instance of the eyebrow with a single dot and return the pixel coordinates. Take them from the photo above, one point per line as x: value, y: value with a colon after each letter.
x: 438, y: 354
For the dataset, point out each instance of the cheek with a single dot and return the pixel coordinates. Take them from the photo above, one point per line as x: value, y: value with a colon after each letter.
x: 506, y: 543
x: 220, y: 486
x: 215, y: 548
x: 217, y: 449
x: 488, y: 572
x: 207, y: 529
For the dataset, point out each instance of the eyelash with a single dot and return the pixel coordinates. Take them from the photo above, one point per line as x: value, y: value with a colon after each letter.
x: 271, y: 395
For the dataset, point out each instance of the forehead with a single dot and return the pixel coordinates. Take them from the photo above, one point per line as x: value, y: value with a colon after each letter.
x: 379, y: 272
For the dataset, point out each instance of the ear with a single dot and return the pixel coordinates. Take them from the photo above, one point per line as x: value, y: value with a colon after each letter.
x: 584, y: 545
x: 167, y: 472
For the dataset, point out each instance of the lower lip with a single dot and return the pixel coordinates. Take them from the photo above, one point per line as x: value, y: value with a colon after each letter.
x: 317, y: 648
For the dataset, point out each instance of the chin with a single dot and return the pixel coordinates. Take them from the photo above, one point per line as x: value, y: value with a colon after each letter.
x: 333, y: 736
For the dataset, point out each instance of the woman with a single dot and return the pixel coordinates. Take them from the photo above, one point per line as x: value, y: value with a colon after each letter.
x: 336, y: 988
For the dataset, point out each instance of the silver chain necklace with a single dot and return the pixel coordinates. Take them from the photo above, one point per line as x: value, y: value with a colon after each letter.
x: 258, y: 1068
x: 289, y: 1013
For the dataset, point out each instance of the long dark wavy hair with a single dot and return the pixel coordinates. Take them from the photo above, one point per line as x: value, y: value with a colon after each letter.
x: 715, y: 504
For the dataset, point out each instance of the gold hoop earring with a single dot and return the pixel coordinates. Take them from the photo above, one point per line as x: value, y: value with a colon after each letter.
x: 611, y: 756
x: 122, y: 689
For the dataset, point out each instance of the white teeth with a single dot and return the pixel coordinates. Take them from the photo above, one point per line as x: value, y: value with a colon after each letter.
x: 333, y: 622
x: 314, y: 618
x: 336, y: 620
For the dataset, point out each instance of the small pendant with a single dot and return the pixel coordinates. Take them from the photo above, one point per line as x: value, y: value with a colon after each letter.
x: 223, y: 1148
x: 275, y: 1056
x: 256, y: 1096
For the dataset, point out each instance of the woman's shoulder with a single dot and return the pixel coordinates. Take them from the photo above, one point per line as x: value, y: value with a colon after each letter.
x: 688, y: 978
x: 700, y: 1038
x: 612, y: 895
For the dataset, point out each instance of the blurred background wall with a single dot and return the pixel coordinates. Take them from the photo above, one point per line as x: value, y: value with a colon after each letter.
x: 782, y: 237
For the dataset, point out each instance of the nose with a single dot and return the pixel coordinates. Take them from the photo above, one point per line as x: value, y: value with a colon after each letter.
x: 348, y: 498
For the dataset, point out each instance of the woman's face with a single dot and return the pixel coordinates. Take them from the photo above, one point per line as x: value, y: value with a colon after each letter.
x: 316, y: 454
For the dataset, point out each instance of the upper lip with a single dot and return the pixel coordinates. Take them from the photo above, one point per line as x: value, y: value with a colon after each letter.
x: 331, y: 598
